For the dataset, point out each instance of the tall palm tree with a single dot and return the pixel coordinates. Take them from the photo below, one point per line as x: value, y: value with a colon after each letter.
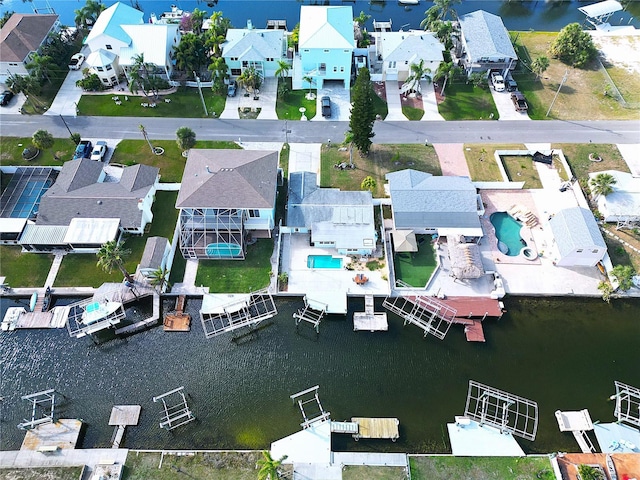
x: 444, y: 8
x: 214, y: 42
x: 140, y: 77
x: 446, y: 70
x: 539, y: 65
x: 418, y: 71
x: 309, y: 80
x: 40, y: 65
x: 159, y: 278
x: 87, y: 15
x: 269, y: 467
x: 283, y: 69
x: 26, y: 84
x: 219, y: 70
x: 146, y: 137
x: 602, y: 184
x: 111, y: 256
x: 250, y: 79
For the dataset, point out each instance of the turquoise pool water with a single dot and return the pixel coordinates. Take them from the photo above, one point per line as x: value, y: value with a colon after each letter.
x: 323, y: 261
x: 223, y: 250
x: 508, y: 233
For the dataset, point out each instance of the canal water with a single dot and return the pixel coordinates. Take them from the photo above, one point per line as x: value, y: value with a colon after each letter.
x: 542, y: 15
x: 563, y: 353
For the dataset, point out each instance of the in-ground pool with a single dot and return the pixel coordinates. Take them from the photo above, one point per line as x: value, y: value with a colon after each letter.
x: 508, y: 233
x: 223, y: 250
x: 323, y: 261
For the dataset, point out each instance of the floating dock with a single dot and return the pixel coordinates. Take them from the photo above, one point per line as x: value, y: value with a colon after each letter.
x: 51, y: 437
x: 369, y: 319
x: 385, y: 428
x: 178, y: 321
x: 578, y: 423
x: 123, y: 416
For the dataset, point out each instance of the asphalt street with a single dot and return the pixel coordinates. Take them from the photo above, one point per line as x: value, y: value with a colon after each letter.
x: 551, y: 131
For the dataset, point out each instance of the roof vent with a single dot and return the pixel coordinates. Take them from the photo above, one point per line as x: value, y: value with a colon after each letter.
x: 99, y: 202
x: 208, y: 169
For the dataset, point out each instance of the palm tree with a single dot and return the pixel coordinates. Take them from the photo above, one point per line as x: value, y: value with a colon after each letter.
x: 309, y: 80
x: 26, y: 84
x: 218, y: 68
x: 159, y: 278
x: 250, y: 79
x: 87, y: 15
x: 368, y: 183
x: 446, y: 70
x: 283, y: 69
x: 42, y: 140
x: 40, y: 65
x: 269, y: 466
x: 146, y: 137
x: 186, y: 138
x: 111, y: 256
x: 602, y: 184
x: 140, y: 77
x: 214, y: 42
x: 418, y: 71
x: 444, y: 8
x: 539, y: 65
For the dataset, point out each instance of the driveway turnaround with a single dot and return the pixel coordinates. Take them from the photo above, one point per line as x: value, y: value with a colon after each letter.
x: 505, y: 106
x: 265, y: 100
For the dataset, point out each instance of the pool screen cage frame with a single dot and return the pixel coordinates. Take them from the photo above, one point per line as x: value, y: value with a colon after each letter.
x: 43, y: 402
x: 247, y: 312
x: 175, y: 407
x: 77, y: 329
x: 503, y: 410
x: 306, y: 397
x: 433, y: 317
x: 226, y: 225
x: 20, y: 181
x: 627, y: 407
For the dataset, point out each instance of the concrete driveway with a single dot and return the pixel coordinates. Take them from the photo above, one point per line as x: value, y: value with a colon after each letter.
x: 340, y: 104
x: 505, y: 107
x: 266, y: 101
x: 429, y: 103
x: 68, y: 96
x: 14, y: 105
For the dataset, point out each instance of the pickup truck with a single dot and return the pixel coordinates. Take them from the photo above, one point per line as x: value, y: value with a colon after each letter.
x: 83, y: 150
x: 519, y: 102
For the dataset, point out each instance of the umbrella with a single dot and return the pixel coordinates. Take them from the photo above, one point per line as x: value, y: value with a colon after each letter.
x: 404, y: 241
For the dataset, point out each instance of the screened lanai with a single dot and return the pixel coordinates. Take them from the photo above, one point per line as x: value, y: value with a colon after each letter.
x: 212, y: 233
x: 22, y: 196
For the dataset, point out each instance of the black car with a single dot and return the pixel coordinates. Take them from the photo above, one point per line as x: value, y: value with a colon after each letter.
x: 232, y: 88
x: 326, y: 106
x: 512, y: 86
x: 5, y: 97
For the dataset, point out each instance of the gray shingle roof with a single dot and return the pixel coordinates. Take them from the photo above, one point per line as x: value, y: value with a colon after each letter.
x: 229, y: 179
x: 154, y: 251
x: 24, y: 33
x: 79, y: 192
x: 252, y: 44
x: 486, y: 36
x: 575, y: 228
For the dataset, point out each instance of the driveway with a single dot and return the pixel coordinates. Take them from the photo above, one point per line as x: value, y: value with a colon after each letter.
x: 505, y: 107
x: 429, y: 103
x: 14, y: 105
x: 265, y: 100
x: 394, y: 105
x: 68, y: 96
x: 340, y: 104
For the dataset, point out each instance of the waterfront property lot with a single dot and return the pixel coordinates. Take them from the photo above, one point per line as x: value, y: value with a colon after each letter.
x: 24, y: 270
x: 577, y: 156
x: 464, y: 101
x: 44, y: 473
x: 11, y: 152
x: 415, y: 268
x: 481, y: 161
x: 480, y: 468
x: 185, y: 103
x: 364, y: 472
x: 381, y: 160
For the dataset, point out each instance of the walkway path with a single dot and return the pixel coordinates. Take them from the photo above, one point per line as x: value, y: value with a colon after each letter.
x: 631, y: 155
x: 55, y: 267
x: 429, y: 103
x: 188, y: 284
x: 452, y: 159
x: 394, y: 105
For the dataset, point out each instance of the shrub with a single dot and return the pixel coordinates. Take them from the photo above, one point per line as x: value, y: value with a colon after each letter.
x: 90, y: 83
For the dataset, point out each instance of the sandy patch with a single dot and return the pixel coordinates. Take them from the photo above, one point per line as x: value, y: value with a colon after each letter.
x: 620, y: 50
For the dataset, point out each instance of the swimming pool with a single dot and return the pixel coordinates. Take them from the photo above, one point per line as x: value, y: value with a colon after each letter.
x: 508, y: 233
x: 323, y: 261
x: 223, y: 250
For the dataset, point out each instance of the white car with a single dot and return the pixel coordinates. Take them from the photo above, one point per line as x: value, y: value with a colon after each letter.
x: 76, y: 61
x: 497, y: 81
x: 99, y: 151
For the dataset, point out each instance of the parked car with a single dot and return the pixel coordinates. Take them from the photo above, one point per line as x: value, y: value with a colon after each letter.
x: 497, y: 81
x: 75, y: 62
x: 99, y: 151
x: 519, y: 102
x: 512, y: 86
x: 325, y: 102
x: 5, y: 97
x: 232, y: 88
x: 83, y: 150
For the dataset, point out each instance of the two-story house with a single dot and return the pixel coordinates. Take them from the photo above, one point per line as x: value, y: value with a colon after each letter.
x: 227, y: 198
x: 397, y: 51
x: 155, y: 43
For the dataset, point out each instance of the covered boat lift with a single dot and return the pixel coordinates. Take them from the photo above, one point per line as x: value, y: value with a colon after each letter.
x: 598, y: 14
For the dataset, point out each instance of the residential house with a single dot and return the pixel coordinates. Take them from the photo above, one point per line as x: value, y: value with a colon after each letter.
x: 623, y: 204
x: 336, y: 219
x: 424, y: 203
x: 397, y: 51
x: 105, y: 65
x: 577, y: 238
x: 484, y: 44
x: 87, y: 200
x: 155, y: 43
x: 325, y: 46
x: 108, y: 34
x: 257, y: 48
x: 20, y: 37
x: 227, y: 199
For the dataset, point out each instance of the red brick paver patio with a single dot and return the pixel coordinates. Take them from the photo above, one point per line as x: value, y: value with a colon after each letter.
x: 452, y: 160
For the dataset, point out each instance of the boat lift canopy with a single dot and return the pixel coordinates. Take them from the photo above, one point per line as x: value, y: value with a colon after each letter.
x: 599, y: 13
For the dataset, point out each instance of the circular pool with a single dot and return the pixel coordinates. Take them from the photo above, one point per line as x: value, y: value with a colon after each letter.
x: 528, y: 253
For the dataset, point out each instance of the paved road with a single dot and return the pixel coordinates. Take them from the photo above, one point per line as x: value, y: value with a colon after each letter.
x: 554, y: 131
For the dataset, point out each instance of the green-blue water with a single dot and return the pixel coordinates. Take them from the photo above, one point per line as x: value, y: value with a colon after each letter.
x: 508, y: 232
x: 323, y: 261
x: 564, y: 353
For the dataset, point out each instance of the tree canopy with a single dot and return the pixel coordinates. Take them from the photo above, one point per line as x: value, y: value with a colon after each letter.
x: 42, y: 140
x: 602, y: 184
x: 574, y: 46
x: 186, y: 138
x: 112, y: 256
x: 363, y: 114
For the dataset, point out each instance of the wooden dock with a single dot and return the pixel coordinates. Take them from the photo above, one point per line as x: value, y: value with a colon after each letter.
x: 35, y: 319
x: 51, y: 437
x: 121, y: 417
x: 475, y: 307
x: 369, y: 319
x: 474, y: 332
x: 385, y: 428
x: 178, y: 321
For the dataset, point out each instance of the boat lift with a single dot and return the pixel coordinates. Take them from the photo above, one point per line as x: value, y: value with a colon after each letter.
x: 427, y: 313
x: 91, y: 315
x: 310, y: 395
x: 176, y: 412
x: 247, y: 311
x: 627, y: 407
x: 313, y: 313
x: 598, y: 14
x: 44, y: 400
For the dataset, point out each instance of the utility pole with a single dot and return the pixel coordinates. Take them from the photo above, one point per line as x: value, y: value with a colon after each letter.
x: 286, y: 131
x: 65, y: 124
x: 564, y: 79
x: 204, y: 105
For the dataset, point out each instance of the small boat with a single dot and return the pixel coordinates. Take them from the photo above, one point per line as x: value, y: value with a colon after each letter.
x: 47, y: 300
x: 174, y: 16
x: 10, y: 319
x: 96, y: 311
x: 611, y: 468
x: 408, y: 2
x: 33, y: 301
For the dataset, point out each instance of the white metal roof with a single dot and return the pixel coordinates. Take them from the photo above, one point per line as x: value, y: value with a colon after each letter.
x: 601, y: 8
x: 326, y: 27
x: 94, y: 231
x: 12, y: 225
x: 153, y: 40
x: 43, y: 235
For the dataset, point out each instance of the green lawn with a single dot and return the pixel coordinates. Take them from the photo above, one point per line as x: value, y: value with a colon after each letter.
x: 463, y: 101
x: 185, y: 103
x: 171, y: 163
x: 238, y: 276
x: 577, y: 156
x: 11, y: 151
x: 482, y: 163
x: 413, y: 113
x: 288, y: 106
x: 520, y: 168
x: 43, y: 473
x: 380, y: 107
x: 415, y: 268
x: 24, y: 269
x: 40, y: 103
x: 364, y: 472
x: 381, y: 160
x: 480, y: 468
